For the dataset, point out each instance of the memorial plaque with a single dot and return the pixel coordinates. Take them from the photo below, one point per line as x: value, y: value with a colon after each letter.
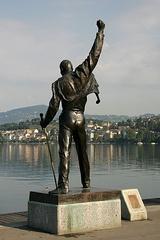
x: 132, y: 206
x: 134, y: 201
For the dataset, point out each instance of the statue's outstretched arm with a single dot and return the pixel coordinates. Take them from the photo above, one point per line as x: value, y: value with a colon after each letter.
x: 84, y: 70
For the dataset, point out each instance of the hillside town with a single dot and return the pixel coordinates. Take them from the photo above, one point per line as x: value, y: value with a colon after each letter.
x: 139, y: 130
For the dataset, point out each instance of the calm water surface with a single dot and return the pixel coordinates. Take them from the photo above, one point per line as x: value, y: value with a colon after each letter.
x: 24, y: 168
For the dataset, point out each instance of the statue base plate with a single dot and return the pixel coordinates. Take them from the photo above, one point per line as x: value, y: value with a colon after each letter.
x: 75, y: 212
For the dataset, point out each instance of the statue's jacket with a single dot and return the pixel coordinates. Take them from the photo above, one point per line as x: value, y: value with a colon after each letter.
x: 72, y: 88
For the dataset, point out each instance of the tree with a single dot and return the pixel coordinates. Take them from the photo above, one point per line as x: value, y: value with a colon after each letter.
x: 140, y: 135
x: 131, y: 135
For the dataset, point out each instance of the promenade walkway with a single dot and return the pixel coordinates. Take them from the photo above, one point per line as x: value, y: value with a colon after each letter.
x: 15, y: 228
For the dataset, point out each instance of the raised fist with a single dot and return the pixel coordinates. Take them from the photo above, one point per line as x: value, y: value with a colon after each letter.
x: 100, y: 25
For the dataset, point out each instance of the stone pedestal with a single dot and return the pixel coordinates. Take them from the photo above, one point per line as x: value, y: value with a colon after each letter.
x: 74, y: 212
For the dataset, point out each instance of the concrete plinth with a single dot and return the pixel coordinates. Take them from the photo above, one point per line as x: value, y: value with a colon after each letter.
x: 74, y: 212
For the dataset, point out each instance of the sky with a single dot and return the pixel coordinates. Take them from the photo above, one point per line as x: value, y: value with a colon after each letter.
x: 36, y: 35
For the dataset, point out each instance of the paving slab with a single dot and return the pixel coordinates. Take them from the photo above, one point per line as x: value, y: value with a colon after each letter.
x: 139, y: 230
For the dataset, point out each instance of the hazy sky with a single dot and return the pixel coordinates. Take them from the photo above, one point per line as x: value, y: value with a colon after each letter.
x: 35, y: 35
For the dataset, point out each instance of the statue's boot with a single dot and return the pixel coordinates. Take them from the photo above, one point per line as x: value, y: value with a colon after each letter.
x: 86, y: 184
x: 62, y: 189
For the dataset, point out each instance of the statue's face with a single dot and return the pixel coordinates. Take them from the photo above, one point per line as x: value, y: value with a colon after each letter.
x: 66, y: 67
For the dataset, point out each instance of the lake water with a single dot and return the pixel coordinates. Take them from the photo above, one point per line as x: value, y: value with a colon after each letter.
x: 26, y: 167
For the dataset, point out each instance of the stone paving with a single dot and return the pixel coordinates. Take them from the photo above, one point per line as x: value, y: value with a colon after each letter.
x: 148, y: 230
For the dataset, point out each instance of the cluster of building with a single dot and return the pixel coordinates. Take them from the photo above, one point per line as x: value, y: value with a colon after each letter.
x: 138, y: 130
x: 22, y: 135
x: 104, y: 132
x: 95, y: 133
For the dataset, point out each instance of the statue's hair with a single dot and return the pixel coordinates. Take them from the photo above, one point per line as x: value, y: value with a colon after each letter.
x: 66, y: 66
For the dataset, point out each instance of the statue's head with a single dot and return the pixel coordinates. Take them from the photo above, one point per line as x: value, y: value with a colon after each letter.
x: 66, y: 67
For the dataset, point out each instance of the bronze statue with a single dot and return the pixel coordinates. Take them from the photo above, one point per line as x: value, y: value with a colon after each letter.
x: 72, y: 90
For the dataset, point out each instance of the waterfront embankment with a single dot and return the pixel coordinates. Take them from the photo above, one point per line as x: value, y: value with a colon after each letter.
x: 148, y: 229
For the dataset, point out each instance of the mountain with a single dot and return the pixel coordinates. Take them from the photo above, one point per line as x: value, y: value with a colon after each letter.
x: 109, y: 118
x: 31, y: 112
x: 22, y: 114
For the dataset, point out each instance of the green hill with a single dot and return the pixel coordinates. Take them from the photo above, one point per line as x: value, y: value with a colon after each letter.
x: 22, y: 114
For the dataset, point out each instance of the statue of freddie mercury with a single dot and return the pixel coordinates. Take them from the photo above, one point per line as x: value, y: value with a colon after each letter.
x: 72, y: 90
